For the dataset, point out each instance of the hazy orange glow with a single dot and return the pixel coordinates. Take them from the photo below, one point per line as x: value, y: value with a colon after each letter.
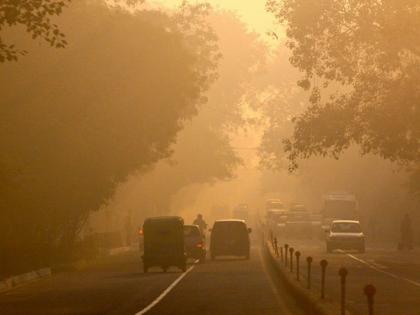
x: 253, y: 12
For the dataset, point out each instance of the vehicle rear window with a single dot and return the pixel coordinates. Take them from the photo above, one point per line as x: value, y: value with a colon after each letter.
x: 346, y: 228
x: 233, y: 228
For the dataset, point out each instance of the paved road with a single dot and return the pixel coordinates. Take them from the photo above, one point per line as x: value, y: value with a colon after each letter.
x: 395, y: 274
x: 117, y: 286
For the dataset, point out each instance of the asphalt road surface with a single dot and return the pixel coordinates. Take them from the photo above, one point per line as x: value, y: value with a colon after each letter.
x: 116, y: 285
x: 396, y: 275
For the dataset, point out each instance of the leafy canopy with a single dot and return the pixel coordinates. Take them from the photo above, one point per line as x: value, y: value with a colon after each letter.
x: 76, y: 122
x: 361, y: 61
x: 35, y: 16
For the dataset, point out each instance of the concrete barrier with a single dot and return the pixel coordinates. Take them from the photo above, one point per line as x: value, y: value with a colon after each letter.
x: 309, y: 300
x: 15, y: 281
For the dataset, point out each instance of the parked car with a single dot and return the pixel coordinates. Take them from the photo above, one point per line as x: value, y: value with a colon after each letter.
x: 230, y: 238
x: 195, y: 245
x: 345, y: 234
x: 164, y: 243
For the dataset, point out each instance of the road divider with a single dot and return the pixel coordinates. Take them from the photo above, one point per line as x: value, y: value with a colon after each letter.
x: 311, y: 302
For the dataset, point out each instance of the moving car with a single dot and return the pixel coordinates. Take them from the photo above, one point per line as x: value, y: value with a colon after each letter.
x: 345, y: 234
x: 164, y: 243
x: 298, y: 222
x: 275, y: 215
x: 274, y: 204
x: 195, y: 246
x: 230, y: 238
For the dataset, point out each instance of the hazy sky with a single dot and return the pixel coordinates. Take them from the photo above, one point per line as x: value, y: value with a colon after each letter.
x: 252, y: 11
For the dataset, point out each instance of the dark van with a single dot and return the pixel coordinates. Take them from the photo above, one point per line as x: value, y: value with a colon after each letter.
x: 164, y: 243
x: 230, y: 238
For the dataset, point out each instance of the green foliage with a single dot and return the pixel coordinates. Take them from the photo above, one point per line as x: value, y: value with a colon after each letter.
x: 360, y: 60
x: 76, y: 122
x: 35, y: 17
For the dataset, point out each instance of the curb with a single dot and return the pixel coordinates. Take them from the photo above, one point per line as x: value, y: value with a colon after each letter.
x: 18, y: 280
x: 310, y: 302
x: 15, y: 281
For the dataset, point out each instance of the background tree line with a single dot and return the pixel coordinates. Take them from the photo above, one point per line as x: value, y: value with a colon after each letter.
x: 77, y: 121
x: 357, y: 68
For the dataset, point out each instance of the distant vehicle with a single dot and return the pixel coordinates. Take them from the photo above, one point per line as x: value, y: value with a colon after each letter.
x: 345, y: 234
x: 164, y: 243
x: 275, y: 213
x: 276, y: 220
x: 195, y: 245
x: 230, y: 238
x: 274, y: 204
x: 297, y: 207
x: 298, y: 222
x: 339, y: 206
x: 276, y: 216
x: 241, y: 212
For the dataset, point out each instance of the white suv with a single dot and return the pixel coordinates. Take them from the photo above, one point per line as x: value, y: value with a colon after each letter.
x: 345, y: 234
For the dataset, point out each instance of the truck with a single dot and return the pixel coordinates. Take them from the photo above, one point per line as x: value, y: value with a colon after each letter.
x: 339, y: 205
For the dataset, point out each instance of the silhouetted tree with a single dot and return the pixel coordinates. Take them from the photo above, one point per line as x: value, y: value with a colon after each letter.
x: 360, y: 61
x: 35, y: 16
x: 76, y: 122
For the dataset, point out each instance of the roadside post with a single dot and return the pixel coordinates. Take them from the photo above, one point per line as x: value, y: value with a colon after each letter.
x: 324, y: 265
x: 297, y: 265
x: 271, y: 237
x: 370, y: 292
x: 286, y: 249
x: 309, y: 261
x: 281, y: 254
x: 291, y: 250
x: 276, y: 249
x: 343, y: 275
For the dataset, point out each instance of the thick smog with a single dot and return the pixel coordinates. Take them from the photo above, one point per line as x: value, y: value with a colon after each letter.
x: 176, y: 157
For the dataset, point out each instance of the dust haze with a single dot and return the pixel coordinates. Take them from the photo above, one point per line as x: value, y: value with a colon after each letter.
x: 291, y: 117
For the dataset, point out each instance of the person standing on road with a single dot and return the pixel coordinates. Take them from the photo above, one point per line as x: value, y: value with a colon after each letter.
x: 201, y: 223
x: 406, y: 233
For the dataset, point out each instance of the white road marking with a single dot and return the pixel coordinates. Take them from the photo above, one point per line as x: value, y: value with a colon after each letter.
x: 372, y: 266
x: 374, y: 263
x: 166, y: 292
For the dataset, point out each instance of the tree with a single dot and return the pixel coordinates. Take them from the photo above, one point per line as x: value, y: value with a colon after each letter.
x: 203, y: 153
x: 35, y: 17
x: 76, y: 122
x: 360, y: 61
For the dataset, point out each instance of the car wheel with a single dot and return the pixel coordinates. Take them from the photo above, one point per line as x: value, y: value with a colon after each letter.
x: 164, y: 268
x: 145, y: 268
x: 362, y: 249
